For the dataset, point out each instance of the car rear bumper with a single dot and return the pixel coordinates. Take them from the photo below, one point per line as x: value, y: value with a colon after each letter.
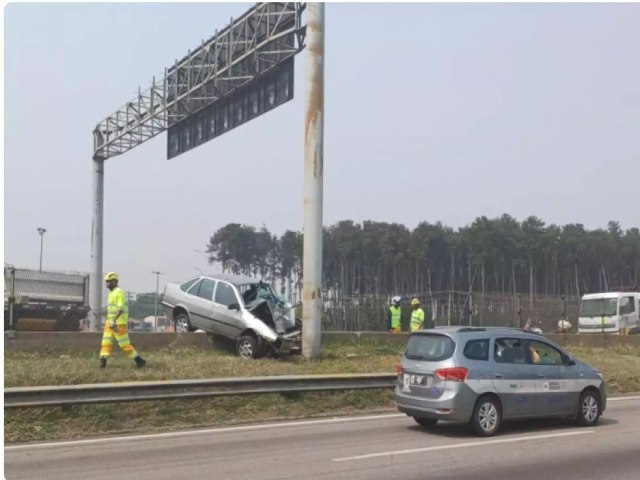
x: 598, y: 327
x: 455, y: 405
x: 167, y: 308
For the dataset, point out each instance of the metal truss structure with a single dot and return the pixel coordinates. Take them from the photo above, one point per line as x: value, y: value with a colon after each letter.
x: 260, y: 40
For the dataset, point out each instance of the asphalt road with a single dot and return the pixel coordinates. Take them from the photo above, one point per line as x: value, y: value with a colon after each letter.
x: 377, y: 447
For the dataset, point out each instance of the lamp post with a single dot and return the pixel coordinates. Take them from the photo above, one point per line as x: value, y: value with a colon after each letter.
x: 157, y: 274
x: 41, y: 232
x: 313, y: 185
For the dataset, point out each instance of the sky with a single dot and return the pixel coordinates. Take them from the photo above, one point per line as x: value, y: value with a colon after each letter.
x: 433, y: 112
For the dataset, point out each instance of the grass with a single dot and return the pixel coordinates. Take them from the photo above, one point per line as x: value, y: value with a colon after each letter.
x: 620, y: 366
x: 45, y: 368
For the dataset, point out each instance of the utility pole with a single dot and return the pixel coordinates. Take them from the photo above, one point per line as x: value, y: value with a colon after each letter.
x: 157, y: 274
x: 313, y: 184
x: 519, y: 311
x: 95, y: 275
x: 41, y: 231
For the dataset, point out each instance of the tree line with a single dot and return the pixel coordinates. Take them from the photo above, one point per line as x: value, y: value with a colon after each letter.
x: 501, y: 255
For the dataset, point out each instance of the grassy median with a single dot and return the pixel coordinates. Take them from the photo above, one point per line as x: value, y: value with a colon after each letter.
x: 620, y: 365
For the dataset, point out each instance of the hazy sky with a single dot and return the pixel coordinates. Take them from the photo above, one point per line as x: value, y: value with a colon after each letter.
x: 433, y: 112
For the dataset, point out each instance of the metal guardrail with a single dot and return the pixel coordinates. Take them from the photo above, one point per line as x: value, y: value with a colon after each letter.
x: 50, y: 396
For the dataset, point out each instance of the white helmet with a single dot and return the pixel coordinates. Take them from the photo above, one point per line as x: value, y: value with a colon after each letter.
x: 396, y: 300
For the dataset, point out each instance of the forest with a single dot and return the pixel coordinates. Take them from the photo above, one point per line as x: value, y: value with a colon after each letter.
x: 491, y: 255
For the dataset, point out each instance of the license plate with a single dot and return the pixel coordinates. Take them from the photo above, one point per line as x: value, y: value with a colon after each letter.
x: 410, y: 379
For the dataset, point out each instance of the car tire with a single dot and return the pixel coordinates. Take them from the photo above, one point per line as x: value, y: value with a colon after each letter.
x: 181, y: 323
x: 248, y: 346
x: 487, y: 417
x: 426, y: 422
x: 589, y: 409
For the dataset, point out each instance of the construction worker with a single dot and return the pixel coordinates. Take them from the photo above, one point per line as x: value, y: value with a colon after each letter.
x: 417, y: 315
x: 394, y: 316
x: 117, y: 324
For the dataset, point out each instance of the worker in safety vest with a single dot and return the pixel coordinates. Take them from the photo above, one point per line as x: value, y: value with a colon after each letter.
x: 117, y: 324
x: 394, y: 316
x: 417, y: 315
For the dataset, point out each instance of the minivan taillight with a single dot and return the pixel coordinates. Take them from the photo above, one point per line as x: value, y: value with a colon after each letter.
x: 399, y: 369
x: 455, y: 374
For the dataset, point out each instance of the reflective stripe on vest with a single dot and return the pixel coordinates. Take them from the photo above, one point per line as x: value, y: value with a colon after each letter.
x: 396, y: 316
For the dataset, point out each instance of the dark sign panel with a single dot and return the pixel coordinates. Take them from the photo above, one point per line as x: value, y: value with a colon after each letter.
x: 246, y: 103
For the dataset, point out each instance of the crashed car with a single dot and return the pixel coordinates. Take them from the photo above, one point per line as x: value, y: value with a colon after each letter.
x: 243, y: 309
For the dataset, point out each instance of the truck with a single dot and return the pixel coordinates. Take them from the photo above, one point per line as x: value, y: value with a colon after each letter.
x: 610, y: 312
x: 44, y: 300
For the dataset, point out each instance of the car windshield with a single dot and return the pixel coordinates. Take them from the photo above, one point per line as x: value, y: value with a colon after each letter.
x: 599, y: 307
x: 428, y: 347
x: 252, y: 291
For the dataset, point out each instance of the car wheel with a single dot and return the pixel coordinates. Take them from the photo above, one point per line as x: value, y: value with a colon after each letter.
x: 248, y: 346
x: 426, y: 422
x: 487, y: 417
x: 181, y: 323
x: 589, y: 409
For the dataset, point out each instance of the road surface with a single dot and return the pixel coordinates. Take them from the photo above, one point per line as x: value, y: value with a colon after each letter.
x: 373, y: 448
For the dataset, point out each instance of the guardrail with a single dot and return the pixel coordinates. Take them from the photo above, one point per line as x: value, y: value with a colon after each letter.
x: 51, y: 396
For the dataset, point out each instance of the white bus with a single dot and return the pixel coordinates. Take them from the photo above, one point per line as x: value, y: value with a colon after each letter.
x: 611, y: 312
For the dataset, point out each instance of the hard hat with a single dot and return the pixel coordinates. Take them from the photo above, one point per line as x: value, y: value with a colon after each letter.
x: 396, y: 300
x: 111, y: 276
x: 415, y: 301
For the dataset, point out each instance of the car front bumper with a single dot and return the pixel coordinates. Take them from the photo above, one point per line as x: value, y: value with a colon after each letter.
x: 289, y: 343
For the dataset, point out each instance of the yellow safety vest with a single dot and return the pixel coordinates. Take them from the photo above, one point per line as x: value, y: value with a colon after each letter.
x: 417, y: 319
x: 396, y: 316
x: 118, y: 301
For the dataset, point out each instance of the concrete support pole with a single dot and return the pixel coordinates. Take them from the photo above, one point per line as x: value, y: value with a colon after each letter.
x: 155, y: 309
x: 95, y: 275
x: 313, y: 179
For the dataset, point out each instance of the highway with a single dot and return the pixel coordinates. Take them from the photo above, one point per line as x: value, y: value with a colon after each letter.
x: 389, y: 446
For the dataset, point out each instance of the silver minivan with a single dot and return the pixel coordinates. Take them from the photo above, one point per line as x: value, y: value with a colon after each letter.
x: 482, y: 376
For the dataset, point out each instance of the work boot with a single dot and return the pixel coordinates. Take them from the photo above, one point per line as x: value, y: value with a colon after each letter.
x: 103, y: 362
x: 140, y: 362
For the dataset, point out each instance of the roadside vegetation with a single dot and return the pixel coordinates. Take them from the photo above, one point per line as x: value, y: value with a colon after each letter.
x: 619, y: 364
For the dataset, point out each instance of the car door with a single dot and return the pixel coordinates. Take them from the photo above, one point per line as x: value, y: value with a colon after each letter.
x: 628, y: 314
x: 513, y: 377
x: 189, y: 300
x: 227, y: 310
x: 201, y: 305
x: 556, y: 392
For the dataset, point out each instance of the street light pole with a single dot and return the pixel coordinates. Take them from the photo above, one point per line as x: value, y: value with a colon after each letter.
x: 41, y: 231
x: 95, y: 276
x: 157, y: 274
x: 313, y: 185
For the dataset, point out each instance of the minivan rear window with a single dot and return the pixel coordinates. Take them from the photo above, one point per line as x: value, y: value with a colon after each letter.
x: 429, y: 347
x: 477, y: 349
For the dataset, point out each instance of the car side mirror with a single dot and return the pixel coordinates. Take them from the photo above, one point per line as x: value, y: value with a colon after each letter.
x: 234, y: 306
x: 569, y: 362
